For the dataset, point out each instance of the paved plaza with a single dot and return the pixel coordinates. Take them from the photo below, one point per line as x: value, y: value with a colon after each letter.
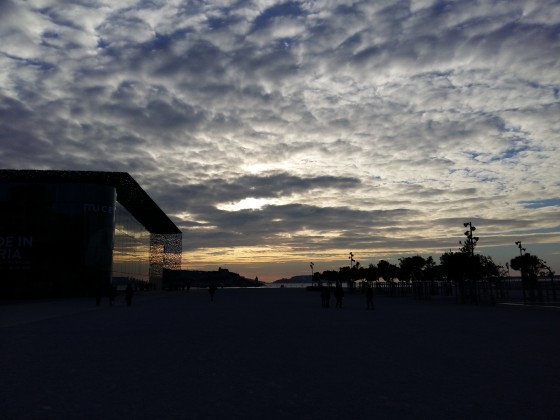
x: 277, y: 354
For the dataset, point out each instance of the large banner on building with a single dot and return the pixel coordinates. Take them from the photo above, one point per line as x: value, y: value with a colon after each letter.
x: 16, y: 251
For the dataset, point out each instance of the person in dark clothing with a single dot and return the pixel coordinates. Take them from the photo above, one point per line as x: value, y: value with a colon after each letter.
x: 212, y: 290
x: 338, y: 294
x: 369, y: 297
x: 128, y: 293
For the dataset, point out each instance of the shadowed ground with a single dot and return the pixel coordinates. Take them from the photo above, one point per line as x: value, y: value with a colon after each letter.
x: 275, y: 353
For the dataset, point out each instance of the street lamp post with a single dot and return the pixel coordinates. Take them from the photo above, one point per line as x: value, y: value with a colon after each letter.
x: 311, y: 265
x: 470, y: 243
x: 523, y: 280
x: 521, y: 249
x: 351, y: 280
x: 471, y: 240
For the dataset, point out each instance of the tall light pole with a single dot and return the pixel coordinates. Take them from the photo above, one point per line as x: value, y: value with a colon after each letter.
x: 311, y: 265
x: 521, y: 249
x: 350, y: 279
x: 471, y: 240
x: 470, y: 243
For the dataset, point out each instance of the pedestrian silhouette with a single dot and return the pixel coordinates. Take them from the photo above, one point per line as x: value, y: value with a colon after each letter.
x: 212, y: 290
x: 338, y: 294
x: 369, y: 297
x: 128, y: 295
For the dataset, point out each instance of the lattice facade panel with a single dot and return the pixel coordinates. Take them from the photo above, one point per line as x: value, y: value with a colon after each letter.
x: 165, y: 252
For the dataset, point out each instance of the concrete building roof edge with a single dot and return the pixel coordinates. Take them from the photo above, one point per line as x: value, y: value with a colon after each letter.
x: 129, y: 193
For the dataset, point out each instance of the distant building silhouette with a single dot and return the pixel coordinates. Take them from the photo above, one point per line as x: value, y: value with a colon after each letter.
x: 183, y: 279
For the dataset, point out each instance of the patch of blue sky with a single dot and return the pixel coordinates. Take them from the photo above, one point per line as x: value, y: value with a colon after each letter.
x: 520, y: 145
x: 224, y: 20
x: 537, y: 204
x: 163, y: 41
x: 290, y: 8
x: 101, y: 43
x: 441, y: 7
x: 218, y: 22
x: 511, y: 152
x: 537, y: 85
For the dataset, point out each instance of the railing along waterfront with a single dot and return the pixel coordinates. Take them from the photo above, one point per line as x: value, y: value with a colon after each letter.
x: 545, y: 290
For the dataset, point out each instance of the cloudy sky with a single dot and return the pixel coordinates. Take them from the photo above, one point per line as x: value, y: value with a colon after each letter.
x: 279, y: 133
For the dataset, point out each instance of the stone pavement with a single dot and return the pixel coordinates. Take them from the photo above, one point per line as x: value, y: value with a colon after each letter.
x: 276, y: 354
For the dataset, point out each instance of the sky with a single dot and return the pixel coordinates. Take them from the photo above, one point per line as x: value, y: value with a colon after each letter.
x: 276, y: 134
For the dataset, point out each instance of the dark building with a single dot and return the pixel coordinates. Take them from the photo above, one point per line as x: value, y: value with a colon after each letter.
x: 71, y: 233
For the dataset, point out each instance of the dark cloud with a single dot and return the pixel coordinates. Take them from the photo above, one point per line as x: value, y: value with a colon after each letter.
x: 275, y: 185
x: 289, y: 225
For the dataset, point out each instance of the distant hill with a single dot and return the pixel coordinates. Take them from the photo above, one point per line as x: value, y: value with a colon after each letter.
x: 180, y: 279
x: 294, y: 280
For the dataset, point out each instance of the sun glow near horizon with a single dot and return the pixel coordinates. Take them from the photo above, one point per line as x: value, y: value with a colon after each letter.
x: 249, y: 203
x: 272, y: 262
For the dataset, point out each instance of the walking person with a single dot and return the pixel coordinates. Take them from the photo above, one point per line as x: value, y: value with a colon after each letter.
x: 212, y: 290
x: 338, y: 294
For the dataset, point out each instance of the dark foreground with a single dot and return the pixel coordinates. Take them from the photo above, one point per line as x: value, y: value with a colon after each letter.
x: 276, y: 354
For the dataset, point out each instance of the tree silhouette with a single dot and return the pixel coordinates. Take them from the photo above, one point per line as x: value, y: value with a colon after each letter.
x: 465, y: 271
x: 412, y: 268
x: 387, y: 271
x: 316, y: 278
x: 465, y: 268
x: 468, y: 273
x: 372, y: 274
x: 454, y: 265
x: 331, y: 277
x: 530, y: 267
x: 344, y: 274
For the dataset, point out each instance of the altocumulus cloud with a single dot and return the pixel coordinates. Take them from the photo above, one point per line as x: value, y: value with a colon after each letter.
x: 309, y: 127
